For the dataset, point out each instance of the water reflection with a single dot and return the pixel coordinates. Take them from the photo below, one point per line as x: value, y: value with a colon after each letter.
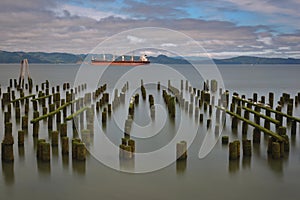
x: 54, y: 152
x: 127, y: 164
x: 65, y: 161
x: 246, y: 162
x: 8, y: 173
x: 233, y: 166
x: 79, y: 167
x: 104, y: 127
x: 256, y: 149
x: 181, y: 166
x: 21, y: 151
x: 293, y: 140
x: 44, y: 168
x: 35, y: 140
x: 276, y: 165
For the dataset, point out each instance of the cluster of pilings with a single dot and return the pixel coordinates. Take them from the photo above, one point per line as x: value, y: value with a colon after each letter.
x: 278, y: 140
x: 48, y: 105
x: 235, y: 148
x: 78, y: 150
x: 127, y: 146
x: 119, y: 98
x: 72, y: 105
x: 170, y: 102
x: 240, y: 110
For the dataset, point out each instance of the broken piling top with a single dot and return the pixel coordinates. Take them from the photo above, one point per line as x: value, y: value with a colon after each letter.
x: 181, y: 150
x: 24, y: 69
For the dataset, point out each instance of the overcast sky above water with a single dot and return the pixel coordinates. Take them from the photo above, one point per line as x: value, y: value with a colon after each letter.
x: 225, y: 28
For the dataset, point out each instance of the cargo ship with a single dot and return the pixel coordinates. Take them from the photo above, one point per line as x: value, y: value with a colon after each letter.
x: 142, y: 61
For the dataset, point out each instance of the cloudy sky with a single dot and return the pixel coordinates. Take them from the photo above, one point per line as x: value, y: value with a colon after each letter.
x: 225, y: 28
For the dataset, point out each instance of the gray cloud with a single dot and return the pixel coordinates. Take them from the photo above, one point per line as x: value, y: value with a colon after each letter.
x: 28, y: 5
x: 39, y: 28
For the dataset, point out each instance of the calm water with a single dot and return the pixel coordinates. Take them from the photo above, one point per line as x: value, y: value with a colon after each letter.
x: 213, y: 177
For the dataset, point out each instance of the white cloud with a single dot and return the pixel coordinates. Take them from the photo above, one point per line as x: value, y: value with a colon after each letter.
x: 265, y: 40
x: 284, y: 48
x: 135, y: 40
x: 168, y: 45
x: 257, y: 47
x: 83, y: 12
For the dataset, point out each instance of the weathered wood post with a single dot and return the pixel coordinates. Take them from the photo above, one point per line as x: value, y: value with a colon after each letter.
x: 233, y: 150
x: 63, y: 130
x: 74, y: 147
x: 24, y: 123
x: 7, y: 144
x: 21, y: 134
x: 65, y: 145
x: 234, y: 123
x: 54, y: 138
x: 275, y: 150
x: 225, y: 139
x: 181, y: 150
x: 256, y: 135
x: 247, y: 148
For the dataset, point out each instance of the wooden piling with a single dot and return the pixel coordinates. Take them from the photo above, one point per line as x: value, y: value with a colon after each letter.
x: 65, y: 145
x: 54, y: 138
x: 256, y: 136
x: 7, y: 152
x: 21, y: 134
x: 201, y: 117
x: 234, y: 123
x: 75, y: 141
x: 63, y: 130
x: 81, y: 152
x: 247, y: 149
x: 86, y: 136
x: 244, y: 128
x: 181, y: 150
x: 275, y: 150
x: 45, y: 148
x: 7, y: 144
x: 208, y: 123
x: 39, y: 148
x: 50, y: 123
x: 294, y: 127
x: 24, y: 123
x: 131, y: 143
x: 225, y: 139
x: 233, y: 151
x: 143, y: 90
x: 214, y: 85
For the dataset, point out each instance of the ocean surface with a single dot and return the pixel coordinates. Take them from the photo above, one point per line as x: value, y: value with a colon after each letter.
x: 212, y: 177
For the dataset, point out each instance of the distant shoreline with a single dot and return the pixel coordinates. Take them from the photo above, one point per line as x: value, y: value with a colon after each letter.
x: 67, y: 58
